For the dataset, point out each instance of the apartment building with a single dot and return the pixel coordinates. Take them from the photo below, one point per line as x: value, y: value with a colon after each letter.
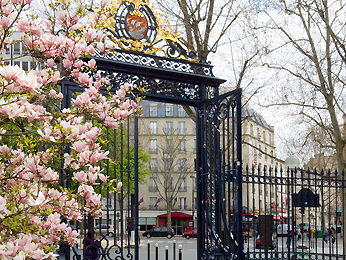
x: 17, y: 54
x: 159, y: 121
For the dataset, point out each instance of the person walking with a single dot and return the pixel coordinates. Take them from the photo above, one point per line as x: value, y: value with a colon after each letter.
x: 288, y: 241
x: 91, y: 246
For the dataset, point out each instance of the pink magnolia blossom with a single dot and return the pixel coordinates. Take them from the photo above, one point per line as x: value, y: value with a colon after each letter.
x: 120, y: 184
x: 60, y: 96
x: 4, y: 22
x: 50, y: 63
x: 80, y: 176
x: 79, y: 146
x: 52, y: 93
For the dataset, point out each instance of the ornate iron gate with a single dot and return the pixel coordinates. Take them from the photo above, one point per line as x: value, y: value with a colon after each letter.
x: 179, y: 77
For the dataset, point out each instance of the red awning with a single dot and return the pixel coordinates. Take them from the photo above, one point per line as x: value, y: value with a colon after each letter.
x: 176, y: 215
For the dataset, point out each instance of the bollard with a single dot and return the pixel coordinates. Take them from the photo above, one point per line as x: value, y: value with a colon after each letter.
x: 148, y: 249
x: 156, y: 251
x: 180, y: 252
x: 174, y: 243
x: 166, y: 252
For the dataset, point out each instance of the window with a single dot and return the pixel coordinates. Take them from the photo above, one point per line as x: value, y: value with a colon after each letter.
x: 182, y: 164
x: 169, y: 146
x: 181, y: 112
x: 32, y: 65
x: 251, y: 129
x: 264, y: 136
x: 25, y: 50
x: 169, y: 127
x: 153, y: 145
x: 153, y: 165
x: 25, y: 65
x: 153, y: 110
x: 7, y: 48
x: 17, y: 48
x: 152, y: 202
x: 182, y: 203
x: 153, y: 128
x: 259, y: 151
x: 265, y: 155
x: 168, y: 164
x: 258, y: 134
x: 182, y: 146
x: 182, y: 184
x: 271, y: 159
x: 270, y: 139
x: 169, y: 184
x: 194, y: 181
x: 169, y: 110
x: 152, y: 184
x: 182, y: 128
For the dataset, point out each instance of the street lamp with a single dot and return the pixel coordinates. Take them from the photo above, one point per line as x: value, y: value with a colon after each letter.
x: 193, y: 199
x: 292, y: 162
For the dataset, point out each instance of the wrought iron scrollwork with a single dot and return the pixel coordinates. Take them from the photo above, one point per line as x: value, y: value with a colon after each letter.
x: 158, y: 62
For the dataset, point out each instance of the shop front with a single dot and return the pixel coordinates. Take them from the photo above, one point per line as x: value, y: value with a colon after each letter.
x: 180, y: 221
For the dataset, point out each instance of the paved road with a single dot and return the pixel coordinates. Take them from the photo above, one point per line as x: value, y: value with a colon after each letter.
x: 189, y: 248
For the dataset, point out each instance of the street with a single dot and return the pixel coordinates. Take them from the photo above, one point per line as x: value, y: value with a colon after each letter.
x: 189, y: 248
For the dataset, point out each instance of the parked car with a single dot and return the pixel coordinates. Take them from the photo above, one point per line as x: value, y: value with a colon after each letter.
x: 104, y: 230
x: 191, y: 233
x: 260, y: 245
x: 159, y: 232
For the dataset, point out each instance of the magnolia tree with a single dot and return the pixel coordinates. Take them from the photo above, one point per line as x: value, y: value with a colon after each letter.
x: 35, y: 133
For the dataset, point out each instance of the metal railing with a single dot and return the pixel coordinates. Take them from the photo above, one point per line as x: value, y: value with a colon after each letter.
x: 304, y: 218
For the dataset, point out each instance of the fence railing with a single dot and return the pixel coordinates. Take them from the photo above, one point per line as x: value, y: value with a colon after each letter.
x: 293, y: 213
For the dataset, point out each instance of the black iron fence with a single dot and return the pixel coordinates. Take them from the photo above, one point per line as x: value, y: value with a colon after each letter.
x: 290, y: 214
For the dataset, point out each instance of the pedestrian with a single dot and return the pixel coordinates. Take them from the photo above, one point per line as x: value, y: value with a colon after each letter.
x: 288, y: 241
x: 333, y: 236
x: 327, y: 236
x: 91, y: 246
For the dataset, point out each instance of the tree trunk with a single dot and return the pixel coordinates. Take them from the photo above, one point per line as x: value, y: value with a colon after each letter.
x: 169, y: 215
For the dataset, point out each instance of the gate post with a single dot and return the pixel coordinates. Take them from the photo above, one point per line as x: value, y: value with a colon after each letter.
x: 239, y: 162
x: 200, y: 204
x: 136, y: 187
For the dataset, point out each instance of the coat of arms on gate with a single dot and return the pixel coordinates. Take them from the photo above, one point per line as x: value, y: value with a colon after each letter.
x: 133, y: 26
x: 136, y: 26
